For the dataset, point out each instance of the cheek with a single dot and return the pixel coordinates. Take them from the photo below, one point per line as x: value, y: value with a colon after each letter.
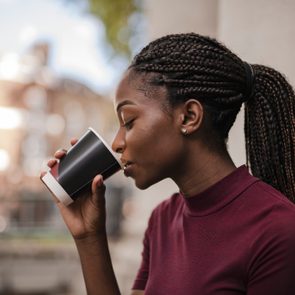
x: 159, y: 148
x: 156, y: 156
x: 153, y: 139
x: 138, y: 144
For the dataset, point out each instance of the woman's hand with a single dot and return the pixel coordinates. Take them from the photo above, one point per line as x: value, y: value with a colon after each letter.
x: 85, y: 218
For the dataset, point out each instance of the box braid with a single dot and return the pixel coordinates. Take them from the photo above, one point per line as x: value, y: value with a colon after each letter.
x: 195, y: 66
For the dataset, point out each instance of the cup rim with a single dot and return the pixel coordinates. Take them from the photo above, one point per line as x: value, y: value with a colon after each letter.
x: 106, y: 145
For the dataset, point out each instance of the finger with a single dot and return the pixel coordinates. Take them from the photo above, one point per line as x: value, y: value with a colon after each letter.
x: 60, y: 153
x: 74, y: 141
x: 51, y: 163
x: 97, y: 184
x: 98, y: 190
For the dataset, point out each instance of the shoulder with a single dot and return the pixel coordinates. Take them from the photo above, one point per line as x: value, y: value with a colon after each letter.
x: 270, y: 199
x: 269, y: 234
x: 265, y: 215
x: 274, y: 215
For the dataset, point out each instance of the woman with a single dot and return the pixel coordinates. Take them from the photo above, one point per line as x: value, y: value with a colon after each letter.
x: 225, y: 231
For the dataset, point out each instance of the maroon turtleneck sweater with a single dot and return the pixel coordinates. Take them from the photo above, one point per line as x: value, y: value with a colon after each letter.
x: 236, y: 237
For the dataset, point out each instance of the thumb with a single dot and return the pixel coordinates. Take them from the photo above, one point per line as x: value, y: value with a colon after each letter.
x: 98, y: 188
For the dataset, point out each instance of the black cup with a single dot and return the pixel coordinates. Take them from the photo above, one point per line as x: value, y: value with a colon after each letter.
x: 74, y: 172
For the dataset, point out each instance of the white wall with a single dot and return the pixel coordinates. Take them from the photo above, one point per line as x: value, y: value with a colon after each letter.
x: 260, y: 32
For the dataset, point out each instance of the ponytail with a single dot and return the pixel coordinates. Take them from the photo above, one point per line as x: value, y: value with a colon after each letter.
x: 270, y: 130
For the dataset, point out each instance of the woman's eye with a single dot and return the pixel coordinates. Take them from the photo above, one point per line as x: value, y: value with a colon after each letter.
x: 128, y: 125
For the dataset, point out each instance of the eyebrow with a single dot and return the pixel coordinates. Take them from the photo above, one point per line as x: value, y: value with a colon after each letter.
x: 124, y: 102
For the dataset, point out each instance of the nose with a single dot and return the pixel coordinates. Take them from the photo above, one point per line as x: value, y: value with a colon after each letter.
x: 118, y: 144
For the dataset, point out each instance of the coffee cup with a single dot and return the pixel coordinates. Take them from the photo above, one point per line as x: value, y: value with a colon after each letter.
x: 74, y: 173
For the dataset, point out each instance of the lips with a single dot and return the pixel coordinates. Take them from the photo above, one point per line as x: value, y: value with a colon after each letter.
x: 127, y: 167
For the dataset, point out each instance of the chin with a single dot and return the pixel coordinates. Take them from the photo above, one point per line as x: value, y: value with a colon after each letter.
x: 144, y: 184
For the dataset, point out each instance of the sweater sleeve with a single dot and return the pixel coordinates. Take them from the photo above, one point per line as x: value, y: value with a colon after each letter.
x: 143, y: 272
x: 272, y: 269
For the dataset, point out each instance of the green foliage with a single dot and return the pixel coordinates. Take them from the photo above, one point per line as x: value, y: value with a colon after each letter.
x: 115, y: 15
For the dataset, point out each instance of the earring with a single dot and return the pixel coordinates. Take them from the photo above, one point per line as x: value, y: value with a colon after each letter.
x: 183, y: 131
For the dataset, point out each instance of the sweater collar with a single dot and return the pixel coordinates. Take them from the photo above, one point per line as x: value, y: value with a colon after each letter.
x: 219, y: 194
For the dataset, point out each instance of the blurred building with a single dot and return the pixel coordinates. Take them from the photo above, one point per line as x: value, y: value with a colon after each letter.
x: 39, y: 113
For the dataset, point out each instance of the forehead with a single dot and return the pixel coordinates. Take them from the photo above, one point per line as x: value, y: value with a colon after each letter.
x: 136, y: 89
x: 126, y: 88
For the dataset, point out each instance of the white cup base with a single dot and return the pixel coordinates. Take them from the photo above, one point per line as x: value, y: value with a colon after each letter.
x: 56, y: 189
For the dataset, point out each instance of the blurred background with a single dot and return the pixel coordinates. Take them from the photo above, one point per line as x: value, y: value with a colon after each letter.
x: 60, y: 62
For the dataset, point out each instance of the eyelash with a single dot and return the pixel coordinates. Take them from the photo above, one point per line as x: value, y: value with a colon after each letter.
x: 128, y: 125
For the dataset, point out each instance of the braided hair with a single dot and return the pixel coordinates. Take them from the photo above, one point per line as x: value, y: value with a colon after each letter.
x: 195, y: 66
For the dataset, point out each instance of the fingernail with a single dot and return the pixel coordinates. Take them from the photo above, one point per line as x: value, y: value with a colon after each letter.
x: 100, y: 181
x: 62, y: 151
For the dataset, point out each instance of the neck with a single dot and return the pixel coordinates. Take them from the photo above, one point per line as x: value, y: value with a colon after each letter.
x: 198, y: 175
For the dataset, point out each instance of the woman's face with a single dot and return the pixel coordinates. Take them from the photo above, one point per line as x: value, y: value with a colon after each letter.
x: 149, y: 139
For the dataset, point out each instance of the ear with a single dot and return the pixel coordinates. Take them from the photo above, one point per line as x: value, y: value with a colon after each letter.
x: 191, y: 116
